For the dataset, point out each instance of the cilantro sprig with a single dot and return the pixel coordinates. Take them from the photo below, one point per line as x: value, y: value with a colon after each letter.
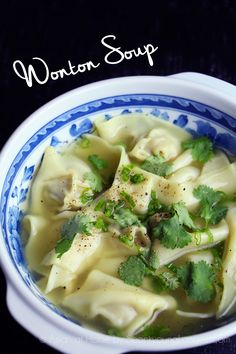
x: 211, y: 208
x: 97, y: 162
x: 171, y: 233
x: 94, y: 180
x: 157, y: 165
x: 125, y: 217
x: 86, y: 195
x: 198, y: 280
x: 154, y: 204
x: 183, y: 215
x: 135, y: 268
x: 201, y: 148
x: 165, y: 281
x: 132, y: 271
x: 77, y: 224
x: 120, y: 211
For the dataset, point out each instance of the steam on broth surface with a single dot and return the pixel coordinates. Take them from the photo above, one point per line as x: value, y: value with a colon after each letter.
x: 132, y: 229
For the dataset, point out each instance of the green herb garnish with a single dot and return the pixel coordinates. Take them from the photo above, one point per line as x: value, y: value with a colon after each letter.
x: 198, y: 280
x: 101, y: 225
x: 152, y: 259
x: 165, y: 281
x: 210, y: 209
x: 100, y: 204
x: 128, y: 199
x: 137, y: 178
x: 171, y: 233
x: 201, y: 148
x: 183, y: 215
x: 76, y: 224
x: 217, y: 253
x: 125, y: 217
x: 97, y: 162
x: 125, y: 172
x: 110, y: 206
x: 154, y: 204
x: 86, y: 196
x: 127, y: 239
x: 157, y: 165
x: 94, y: 180
x: 132, y: 271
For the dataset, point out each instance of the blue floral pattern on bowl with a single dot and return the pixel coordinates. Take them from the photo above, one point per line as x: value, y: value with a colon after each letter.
x: 197, y: 118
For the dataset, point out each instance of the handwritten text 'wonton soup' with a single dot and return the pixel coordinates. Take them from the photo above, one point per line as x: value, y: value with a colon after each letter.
x: 115, y: 55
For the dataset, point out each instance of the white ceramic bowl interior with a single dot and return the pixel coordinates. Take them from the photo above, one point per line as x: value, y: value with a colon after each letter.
x: 198, y: 103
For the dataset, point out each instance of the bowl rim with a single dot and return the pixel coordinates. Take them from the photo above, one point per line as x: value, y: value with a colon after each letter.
x: 22, y: 289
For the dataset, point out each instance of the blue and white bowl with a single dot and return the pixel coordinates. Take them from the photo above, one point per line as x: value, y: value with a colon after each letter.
x: 195, y: 102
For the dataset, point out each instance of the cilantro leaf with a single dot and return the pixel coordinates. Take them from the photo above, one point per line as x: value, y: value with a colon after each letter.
x: 76, y: 224
x: 171, y: 234
x: 125, y: 172
x: 85, y: 225
x: 132, y: 271
x: 63, y: 245
x: 198, y: 280
x: 95, y: 181
x: 152, y: 259
x: 169, y: 280
x: 86, y: 196
x: 217, y: 253
x: 184, y: 274
x: 165, y: 281
x: 124, y: 217
x: 208, y: 195
x: 137, y: 178
x: 218, y: 214
x: 97, y: 162
x: 154, y: 332
x: 183, y: 214
x: 210, y: 210
x: 128, y: 198
x: 157, y: 165
x: 202, y: 148
x: 171, y: 267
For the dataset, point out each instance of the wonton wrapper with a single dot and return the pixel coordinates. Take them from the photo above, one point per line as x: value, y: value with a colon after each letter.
x: 122, y: 306
x: 165, y: 142
x: 222, y: 179
x: 58, y: 183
